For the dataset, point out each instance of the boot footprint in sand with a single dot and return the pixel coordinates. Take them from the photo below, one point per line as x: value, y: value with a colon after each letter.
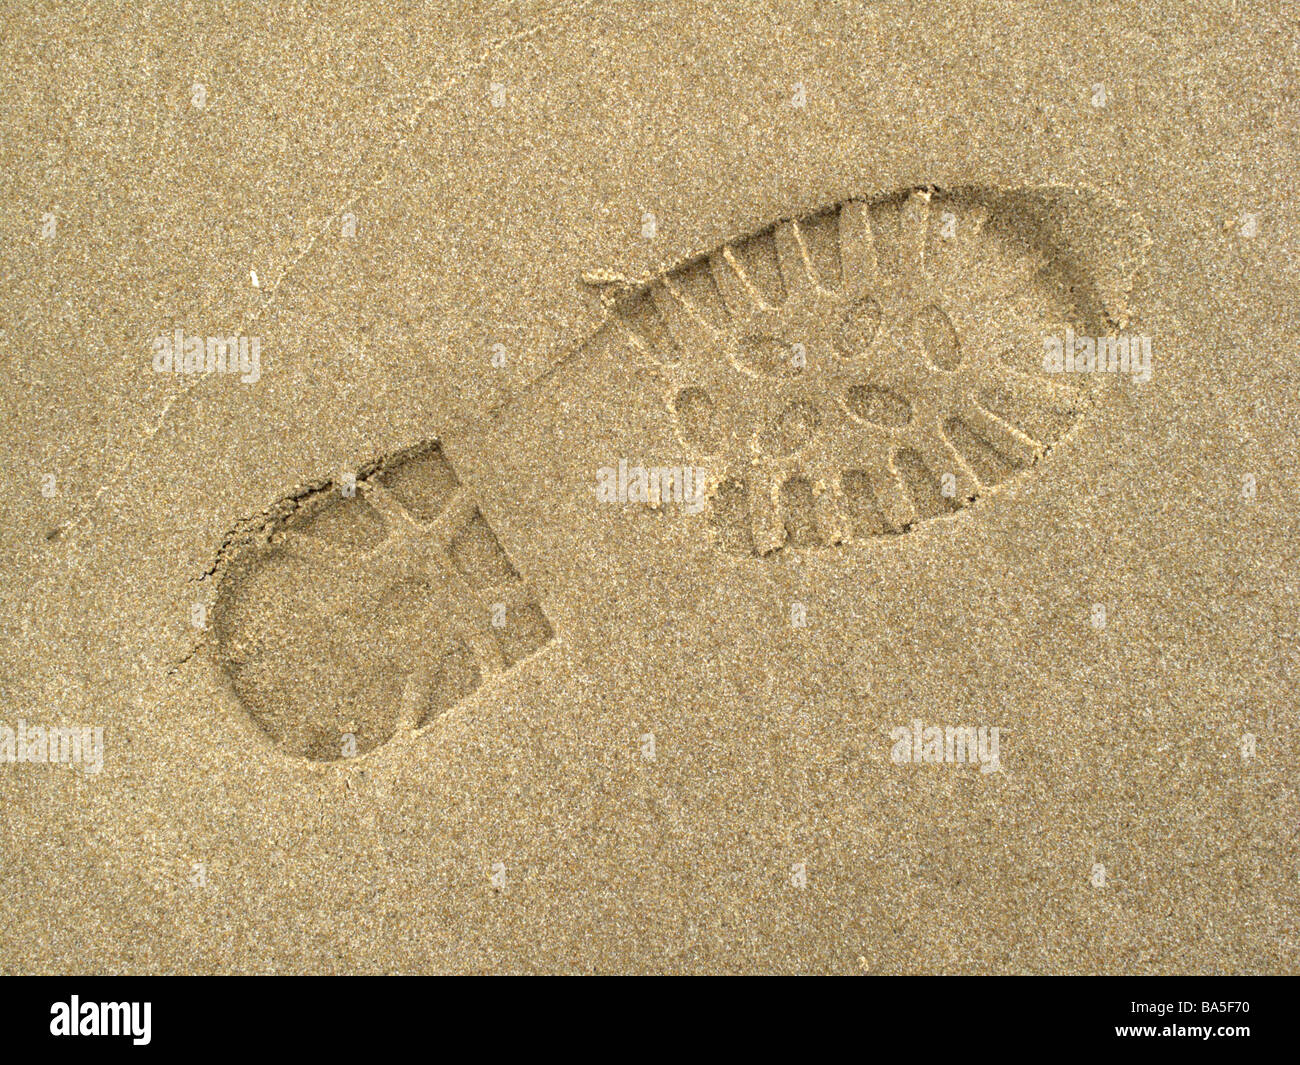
x: 851, y: 374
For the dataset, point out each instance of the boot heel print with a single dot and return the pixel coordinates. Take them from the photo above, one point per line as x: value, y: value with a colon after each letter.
x: 359, y: 619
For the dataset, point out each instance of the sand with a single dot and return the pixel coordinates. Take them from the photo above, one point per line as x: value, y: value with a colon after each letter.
x: 399, y: 669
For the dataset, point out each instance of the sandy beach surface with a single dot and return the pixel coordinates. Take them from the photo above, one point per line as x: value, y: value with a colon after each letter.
x: 366, y: 651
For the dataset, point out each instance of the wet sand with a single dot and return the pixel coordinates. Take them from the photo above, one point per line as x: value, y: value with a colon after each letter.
x: 385, y: 683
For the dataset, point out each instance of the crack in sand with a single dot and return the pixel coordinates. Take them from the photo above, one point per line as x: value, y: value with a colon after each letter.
x: 81, y: 514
